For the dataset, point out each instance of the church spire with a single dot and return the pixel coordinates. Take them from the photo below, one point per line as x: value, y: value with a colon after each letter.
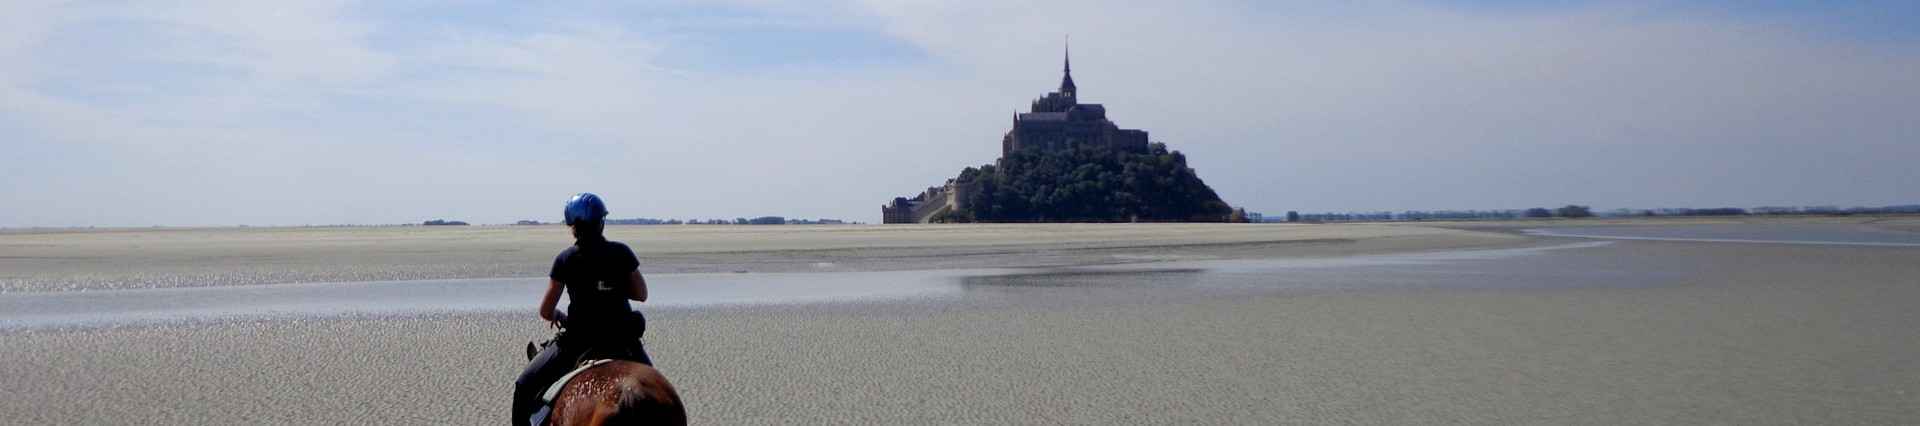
x: 1066, y: 56
x: 1066, y: 69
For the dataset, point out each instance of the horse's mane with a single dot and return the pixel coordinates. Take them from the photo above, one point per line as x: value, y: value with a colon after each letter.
x: 646, y: 397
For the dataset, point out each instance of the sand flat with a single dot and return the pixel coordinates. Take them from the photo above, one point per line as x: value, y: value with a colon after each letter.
x: 1622, y: 332
x: 191, y: 257
x: 1685, y: 333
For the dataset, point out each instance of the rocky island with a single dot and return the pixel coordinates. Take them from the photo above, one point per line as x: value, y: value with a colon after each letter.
x: 1064, y: 161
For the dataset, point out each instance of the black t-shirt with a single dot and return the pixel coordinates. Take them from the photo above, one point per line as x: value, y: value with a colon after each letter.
x: 597, y: 276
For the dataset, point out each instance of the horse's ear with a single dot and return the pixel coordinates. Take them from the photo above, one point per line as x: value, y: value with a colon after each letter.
x: 532, y: 351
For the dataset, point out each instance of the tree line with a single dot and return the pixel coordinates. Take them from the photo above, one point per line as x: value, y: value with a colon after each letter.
x: 1569, y: 210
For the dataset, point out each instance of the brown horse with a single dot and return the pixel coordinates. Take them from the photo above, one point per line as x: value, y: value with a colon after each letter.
x: 618, y: 393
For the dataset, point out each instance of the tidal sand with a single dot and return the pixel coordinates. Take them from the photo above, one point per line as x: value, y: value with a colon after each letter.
x: 1558, y: 331
x: 65, y: 260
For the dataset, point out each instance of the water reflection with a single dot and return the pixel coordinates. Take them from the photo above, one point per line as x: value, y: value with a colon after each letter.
x: 1549, y: 266
x: 1175, y: 277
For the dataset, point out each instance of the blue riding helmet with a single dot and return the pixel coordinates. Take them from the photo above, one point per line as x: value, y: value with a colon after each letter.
x: 585, y: 207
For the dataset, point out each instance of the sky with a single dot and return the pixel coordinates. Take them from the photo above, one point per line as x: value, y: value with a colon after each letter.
x: 341, y: 112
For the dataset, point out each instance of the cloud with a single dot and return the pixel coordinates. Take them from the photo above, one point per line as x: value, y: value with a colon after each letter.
x: 175, y: 113
x: 1410, y: 107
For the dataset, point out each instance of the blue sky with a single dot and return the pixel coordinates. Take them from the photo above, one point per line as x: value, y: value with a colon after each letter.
x: 224, y: 113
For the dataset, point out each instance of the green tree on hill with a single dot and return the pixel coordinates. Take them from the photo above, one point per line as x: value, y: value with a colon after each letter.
x: 1088, y: 183
x: 1572, y: 210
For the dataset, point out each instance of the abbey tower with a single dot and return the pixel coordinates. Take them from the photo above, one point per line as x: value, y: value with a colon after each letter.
x: 1058, y: 120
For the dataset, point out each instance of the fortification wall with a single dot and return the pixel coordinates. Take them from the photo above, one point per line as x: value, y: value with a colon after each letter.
x: 937, y: 200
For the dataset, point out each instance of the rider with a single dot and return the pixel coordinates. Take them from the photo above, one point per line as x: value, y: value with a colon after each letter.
x: 599, y: 277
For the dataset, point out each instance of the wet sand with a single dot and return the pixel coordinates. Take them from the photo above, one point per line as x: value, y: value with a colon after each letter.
x: 1891, y: 222
x: 1629, y: 332
x: 1747, y: 233
x: 66, y: 260
x: 1902, y: 224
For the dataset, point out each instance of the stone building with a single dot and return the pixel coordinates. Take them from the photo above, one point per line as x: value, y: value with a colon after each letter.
x: 1058, y: 120
x: 922, y: 208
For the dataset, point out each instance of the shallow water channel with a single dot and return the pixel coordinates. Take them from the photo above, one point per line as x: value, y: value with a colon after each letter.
x: 140, y: 306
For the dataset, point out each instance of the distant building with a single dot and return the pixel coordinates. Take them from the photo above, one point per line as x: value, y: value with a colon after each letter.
x: 898, y: 211
x: 1058, y: 121
x: 924, y: 207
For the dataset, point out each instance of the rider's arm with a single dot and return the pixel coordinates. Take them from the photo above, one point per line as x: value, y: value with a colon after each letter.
x: 552, y: 299
x: 639, y: 290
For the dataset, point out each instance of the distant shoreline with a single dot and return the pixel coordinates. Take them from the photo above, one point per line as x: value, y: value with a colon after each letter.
x: 1549, y: 220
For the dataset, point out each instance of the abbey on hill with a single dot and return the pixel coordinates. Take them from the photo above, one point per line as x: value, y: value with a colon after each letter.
x: 1059, y: 119
x: 1064, y: 161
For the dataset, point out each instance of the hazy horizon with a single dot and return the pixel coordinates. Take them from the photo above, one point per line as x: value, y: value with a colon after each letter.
x: 229, y: 113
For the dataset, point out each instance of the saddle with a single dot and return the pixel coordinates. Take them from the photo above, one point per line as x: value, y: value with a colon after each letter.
x: 553, y: 391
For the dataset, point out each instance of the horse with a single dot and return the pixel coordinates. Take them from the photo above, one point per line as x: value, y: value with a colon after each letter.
x: 606, y: 390
x: 617, y: 392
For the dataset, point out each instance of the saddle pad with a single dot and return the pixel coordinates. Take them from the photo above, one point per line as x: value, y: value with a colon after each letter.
x: 554, y: 390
